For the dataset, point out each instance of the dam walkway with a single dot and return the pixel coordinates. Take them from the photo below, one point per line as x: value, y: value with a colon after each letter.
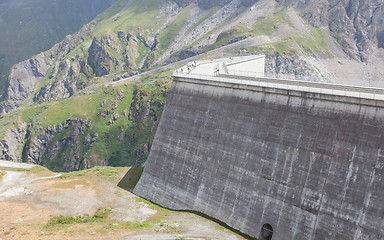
x: 233, y: 71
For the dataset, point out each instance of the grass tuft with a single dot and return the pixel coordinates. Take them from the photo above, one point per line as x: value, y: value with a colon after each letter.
x: 99, y: 216
x: 98, y: 171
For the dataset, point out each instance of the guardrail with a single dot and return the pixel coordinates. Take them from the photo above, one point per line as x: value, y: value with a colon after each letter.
x: 294, y: 85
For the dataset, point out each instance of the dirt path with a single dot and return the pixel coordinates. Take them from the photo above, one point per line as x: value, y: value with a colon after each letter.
x: 15, y: 164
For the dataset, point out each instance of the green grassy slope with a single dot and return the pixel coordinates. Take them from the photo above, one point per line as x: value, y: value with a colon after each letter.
x: 121, y: 142
x: 314, y: 43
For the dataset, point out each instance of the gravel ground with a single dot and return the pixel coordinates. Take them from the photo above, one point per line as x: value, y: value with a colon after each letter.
x: 29, y: 198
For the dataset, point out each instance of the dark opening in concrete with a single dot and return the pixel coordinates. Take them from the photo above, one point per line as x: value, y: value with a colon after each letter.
x: 266, y: 232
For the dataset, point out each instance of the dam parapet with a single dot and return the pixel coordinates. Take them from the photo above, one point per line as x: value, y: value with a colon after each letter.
x: 238, y: 77
x: 274, y: 158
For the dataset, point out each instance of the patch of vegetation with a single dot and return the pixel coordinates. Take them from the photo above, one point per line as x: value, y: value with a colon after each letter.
x: 137, y: 225
x: 227, y: 36
x: 315, y: 42
x: 98, y: 171
x: 32, y: 114
x: 143, y: 50
x: 47, y: 77
x: 78, y: 107
x: 70, y: 220
x: 8, y: 121
x: 39, y: 169
x: 133, y: 17
x: 269, y: 24
x: 282, y: 48
x: 99, y: 216
x: 320, y: 38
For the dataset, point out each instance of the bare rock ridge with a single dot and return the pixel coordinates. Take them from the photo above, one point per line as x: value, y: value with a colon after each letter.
x: 358, y: 25
x: 25, y: 76
x: 22, y: 81
x: 29, y: 27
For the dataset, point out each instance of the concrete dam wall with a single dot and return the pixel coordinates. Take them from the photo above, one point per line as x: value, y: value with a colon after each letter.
x: 272, y: 158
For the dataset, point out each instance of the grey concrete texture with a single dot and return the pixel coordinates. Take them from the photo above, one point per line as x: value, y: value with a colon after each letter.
x: 312, y: 168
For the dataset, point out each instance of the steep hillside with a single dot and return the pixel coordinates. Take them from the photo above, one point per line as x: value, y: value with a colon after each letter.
x: 112, y: 125
x: 358, y: 25
x: 62, y: 108
x: 29, y: 27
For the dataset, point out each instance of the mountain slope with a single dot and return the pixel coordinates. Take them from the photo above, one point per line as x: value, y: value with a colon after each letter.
x: 63, y: 110
x: 136, y: 35
x: 30, y: 26
x: 358, y: 25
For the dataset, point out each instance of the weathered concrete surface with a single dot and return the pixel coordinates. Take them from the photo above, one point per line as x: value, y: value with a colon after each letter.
x: 311, y: 167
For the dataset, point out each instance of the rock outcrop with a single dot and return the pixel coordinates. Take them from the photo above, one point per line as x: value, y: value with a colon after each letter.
x: 25, y: 76
x: 66, y: 84
x: 356, y: 24
x: 291, y: 68
x: 101, y: 55
x: 23, y: 80
x: 10, y: 145
x: 66, y: 153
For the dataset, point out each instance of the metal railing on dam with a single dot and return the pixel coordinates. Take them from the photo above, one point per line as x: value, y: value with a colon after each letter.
x: 287, y: 84
x: 241, y: 80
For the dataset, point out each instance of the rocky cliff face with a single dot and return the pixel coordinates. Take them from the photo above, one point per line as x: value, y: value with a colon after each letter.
x: 25, y: 76
x: 119, y: 134
x: 292, y: 68
x: 358, y: 25
x: 67, y: 153
x: 22, y: 81
x: 101, y: 57
x: 66, y: 75
x: 30, y: 27
x: 10, y: 145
